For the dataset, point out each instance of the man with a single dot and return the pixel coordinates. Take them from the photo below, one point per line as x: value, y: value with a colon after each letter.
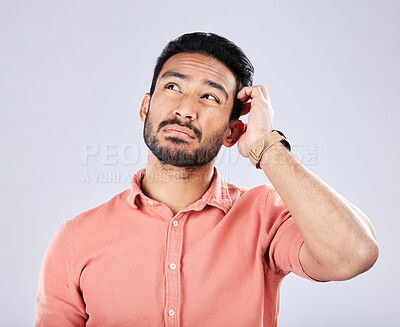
x: 182, y: 247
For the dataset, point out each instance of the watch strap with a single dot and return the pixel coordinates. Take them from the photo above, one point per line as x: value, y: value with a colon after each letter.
x: 264, y: 143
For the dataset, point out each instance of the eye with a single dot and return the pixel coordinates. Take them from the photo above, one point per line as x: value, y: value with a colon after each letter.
x: 211, y: 97
x: 172, y: 86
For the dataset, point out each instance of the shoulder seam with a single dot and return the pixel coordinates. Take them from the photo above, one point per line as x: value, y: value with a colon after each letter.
x: 264, y: 195
x: 71, y: 253
x: 279, y: 276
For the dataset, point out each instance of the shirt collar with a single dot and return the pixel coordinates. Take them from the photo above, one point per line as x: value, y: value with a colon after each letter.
x: 217, y: 194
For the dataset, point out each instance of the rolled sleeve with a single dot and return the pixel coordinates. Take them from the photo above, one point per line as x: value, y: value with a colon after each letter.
x: 283, y: 239
x: 58, y: 301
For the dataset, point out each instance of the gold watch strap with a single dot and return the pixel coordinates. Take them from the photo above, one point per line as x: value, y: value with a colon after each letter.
x: 262, y: 145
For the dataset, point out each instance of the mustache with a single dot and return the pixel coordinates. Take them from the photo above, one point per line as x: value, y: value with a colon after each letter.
x: 176, y: 121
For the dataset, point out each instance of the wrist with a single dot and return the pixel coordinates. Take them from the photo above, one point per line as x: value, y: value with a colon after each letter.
x: 265, y: 143
x: 273, y: 155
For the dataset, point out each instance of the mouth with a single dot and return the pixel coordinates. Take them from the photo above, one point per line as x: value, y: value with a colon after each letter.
x: 179, y: 131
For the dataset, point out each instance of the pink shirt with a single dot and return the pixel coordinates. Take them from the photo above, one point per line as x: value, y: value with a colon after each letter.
x: 131, y: 262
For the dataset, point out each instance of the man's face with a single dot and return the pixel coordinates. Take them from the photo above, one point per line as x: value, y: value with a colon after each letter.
x: 188, y: 115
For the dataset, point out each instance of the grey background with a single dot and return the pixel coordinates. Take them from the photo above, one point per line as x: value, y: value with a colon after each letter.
x: 73, y: 74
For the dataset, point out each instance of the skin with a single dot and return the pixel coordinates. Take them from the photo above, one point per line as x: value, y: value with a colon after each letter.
x: 339, y: 240
x: 189, y: 100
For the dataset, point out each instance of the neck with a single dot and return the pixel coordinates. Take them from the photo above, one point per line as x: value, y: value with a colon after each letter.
x: 176, y: 187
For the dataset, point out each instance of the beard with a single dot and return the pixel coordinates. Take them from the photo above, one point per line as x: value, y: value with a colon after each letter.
x: 181, y: 156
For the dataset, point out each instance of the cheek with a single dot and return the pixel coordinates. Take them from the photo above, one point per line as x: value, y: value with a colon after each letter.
x: 216, y: 126
x: 216, y: 119
x: 160, y: 107
x: 151, y: 124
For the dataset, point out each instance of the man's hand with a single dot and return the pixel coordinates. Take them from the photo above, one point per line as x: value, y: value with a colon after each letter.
x: 257, y: 103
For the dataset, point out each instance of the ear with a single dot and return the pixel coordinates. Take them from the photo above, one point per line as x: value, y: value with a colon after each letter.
x: 235, y: 130
x: 144, y: 108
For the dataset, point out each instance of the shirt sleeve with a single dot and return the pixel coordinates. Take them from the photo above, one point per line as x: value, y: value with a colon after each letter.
x: 283, y: 239
x: 59, y: 301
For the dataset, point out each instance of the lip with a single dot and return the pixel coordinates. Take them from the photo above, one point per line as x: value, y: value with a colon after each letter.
x: 179, y: 130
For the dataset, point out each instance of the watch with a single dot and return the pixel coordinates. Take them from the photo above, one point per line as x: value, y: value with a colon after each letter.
x: 264, y: 143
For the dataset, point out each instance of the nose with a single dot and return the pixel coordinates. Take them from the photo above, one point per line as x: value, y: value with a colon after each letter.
x: 186, y: 109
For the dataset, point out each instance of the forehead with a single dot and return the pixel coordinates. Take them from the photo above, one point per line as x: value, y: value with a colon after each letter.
x: 199, y: 66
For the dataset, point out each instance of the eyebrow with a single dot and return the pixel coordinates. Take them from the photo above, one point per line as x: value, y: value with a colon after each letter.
x: 175, y: 74
x: 188, y: 78
x: 217, y: 86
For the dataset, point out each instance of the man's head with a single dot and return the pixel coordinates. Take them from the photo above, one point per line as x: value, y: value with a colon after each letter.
x: 193, y: 102
x: 214, y: 46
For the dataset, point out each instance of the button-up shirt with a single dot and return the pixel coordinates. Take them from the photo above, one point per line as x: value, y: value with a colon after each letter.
x: 132, y: 262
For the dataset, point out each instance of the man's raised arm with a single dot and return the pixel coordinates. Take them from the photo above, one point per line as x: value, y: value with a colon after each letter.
x: 339, y: 240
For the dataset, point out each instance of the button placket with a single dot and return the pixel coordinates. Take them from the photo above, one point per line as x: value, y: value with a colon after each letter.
x: 174, y: 245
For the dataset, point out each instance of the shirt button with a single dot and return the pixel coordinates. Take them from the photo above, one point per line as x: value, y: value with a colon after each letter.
x: 171, y: 312
x: 150, y: 202
x: 175, y: 223
x: 172, y: 266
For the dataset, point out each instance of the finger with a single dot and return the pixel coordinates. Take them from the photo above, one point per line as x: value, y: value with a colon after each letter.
x: 245, y: 100
x: 242, y: 96
x: 252, y: 92
x: 265, y: 93
x: 244, y: 93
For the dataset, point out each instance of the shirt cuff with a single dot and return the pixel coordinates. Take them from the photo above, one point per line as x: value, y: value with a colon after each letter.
x: 297, y: 242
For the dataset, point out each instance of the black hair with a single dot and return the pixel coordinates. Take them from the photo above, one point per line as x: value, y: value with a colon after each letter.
x: 214, y: 46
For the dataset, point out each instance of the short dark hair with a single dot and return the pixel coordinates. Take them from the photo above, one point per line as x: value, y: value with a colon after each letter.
x: 214, y: 46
